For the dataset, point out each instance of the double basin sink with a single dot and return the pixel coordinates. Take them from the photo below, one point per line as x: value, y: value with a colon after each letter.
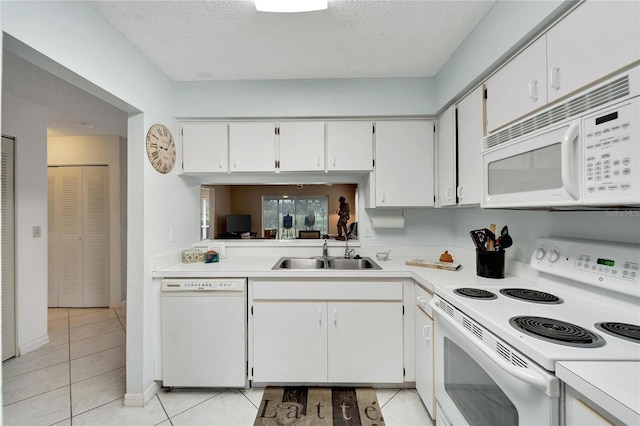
x: 325, y: 263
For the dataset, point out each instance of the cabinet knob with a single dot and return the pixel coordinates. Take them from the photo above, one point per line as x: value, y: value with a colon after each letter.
x: 459, y: 191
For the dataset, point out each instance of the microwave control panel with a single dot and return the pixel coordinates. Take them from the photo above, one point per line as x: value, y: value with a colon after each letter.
x: 611, y: 152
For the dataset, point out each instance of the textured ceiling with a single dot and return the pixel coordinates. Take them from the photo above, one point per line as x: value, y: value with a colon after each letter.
x: 230, y: 40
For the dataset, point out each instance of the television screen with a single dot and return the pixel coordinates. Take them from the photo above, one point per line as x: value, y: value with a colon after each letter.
x: 238, y: 223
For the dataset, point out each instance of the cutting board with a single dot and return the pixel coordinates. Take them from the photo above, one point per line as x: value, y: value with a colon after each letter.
x: 434, y: 263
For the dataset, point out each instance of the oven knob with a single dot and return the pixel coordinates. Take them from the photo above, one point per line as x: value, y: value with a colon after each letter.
x: 553, y: 256
x: 539, y: 253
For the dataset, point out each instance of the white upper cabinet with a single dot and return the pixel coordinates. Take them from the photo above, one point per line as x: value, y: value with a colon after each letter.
x: 446, y: 144
x: 301, y: 146
x: 519, y: 87
x: 470, y: 125
x: 204, y: 148
x: 252, y: 147
x: 349, y: 146
x: 404, y: 164
x: 596, y: 39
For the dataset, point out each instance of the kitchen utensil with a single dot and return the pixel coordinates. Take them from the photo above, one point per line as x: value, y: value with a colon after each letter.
x: 491, y: 238
x: 479, y: 238
x: 504, y: 241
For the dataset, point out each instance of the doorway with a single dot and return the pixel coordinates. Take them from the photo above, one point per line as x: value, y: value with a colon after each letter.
x: 78, y: 236
x: 8, y: 249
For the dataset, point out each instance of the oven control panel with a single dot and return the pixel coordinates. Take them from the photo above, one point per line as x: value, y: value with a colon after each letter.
x: 603, y: 264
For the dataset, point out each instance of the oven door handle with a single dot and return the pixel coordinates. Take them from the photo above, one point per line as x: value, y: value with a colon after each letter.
x: 530, y: 377
x: 567, y: 151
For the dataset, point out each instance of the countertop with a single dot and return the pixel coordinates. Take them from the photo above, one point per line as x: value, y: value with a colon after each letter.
x: 395, y: 267
x: 614, y: 386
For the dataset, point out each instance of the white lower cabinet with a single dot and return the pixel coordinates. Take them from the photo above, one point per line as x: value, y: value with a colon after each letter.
x: 327, y: 341
x: 423, y: 328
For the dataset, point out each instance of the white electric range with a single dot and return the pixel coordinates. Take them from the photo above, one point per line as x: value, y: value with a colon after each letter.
x: 495, y: 350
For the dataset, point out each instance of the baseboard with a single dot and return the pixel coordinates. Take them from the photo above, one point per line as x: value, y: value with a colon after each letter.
x: 33, y: 345
x: 121, y: 305
x: 139, y: 400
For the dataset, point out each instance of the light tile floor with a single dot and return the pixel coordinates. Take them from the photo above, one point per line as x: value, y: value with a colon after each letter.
x: 78, y: 378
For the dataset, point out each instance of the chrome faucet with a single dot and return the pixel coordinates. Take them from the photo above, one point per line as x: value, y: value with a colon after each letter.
x: 325, y: 249
x: 347, y: 251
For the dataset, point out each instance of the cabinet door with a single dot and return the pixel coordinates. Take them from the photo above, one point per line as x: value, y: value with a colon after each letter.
x: 350, y: 146
x: 301, y: 146
x: 519, y: 87
x: 424, y: 359
x: 470, y: 127
x: 290, y: 341
x: 252, y: 147
x: 447, y: 158
x: 204, y: 148
x: 596, y: 39
x: 365, y: 342
x: 404, y: 171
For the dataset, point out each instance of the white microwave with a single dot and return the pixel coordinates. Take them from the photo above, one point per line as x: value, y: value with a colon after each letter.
x: 584, y: 152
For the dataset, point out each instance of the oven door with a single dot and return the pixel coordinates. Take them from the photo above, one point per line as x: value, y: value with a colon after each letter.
x: 481, y: 381
x: 537, y: 170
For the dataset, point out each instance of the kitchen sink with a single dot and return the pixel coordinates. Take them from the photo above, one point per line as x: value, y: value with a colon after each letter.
x: 300, y: 263
x: 325, y: 263
x: 363, y: 263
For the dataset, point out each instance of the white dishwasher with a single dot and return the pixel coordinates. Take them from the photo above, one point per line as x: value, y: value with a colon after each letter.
x: 204, y: 332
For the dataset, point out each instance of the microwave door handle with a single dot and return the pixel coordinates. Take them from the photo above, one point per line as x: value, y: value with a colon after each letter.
x: 530, y: 377
x: 567, y: 166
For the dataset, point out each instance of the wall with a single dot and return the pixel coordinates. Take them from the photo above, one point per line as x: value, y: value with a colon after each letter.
x: 27, y: 122
x: 526, y: 226
x: 99, y: 150
x: 70, y: 40
x: 306, y: 98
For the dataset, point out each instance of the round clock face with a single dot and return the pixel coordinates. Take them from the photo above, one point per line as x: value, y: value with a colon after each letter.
x: 161, y: 149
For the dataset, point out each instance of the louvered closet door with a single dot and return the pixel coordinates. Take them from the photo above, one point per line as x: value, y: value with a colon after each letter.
x: 78, y: 236
x: 95, y: 236
x: 8, y: 251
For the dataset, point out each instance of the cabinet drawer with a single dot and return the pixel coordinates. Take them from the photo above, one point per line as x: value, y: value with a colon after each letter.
x: 422, y: 300
x: 323, y: 290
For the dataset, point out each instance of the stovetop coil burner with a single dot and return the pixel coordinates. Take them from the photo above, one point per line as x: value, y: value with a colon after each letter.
x: 475, y: 293
x: 557, y: 331
x: 629, y: 332
x: 529, y: 295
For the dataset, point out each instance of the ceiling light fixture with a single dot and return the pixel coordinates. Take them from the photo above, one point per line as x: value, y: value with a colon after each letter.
x: 290, y: 6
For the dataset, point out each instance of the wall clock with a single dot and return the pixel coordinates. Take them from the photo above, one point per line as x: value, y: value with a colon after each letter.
x: 161, y: 148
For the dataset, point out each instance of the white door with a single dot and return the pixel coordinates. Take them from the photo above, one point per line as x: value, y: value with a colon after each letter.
x: 290, y: 342
x: 447, y: 158
x: 596, y: 39
x: 350, y: 145
x: 365, y: 342
x: 8, y: 250
x: 424, y: 358
x: 252, y: 147
x: 470, y: 127
x: 404, y: 164
x: 519, y: 87
x: 301, y: 146
x: 205, y: 148
x: 78, y: 244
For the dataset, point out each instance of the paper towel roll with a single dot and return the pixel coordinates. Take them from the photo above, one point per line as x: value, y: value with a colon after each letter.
x: 387, y: 219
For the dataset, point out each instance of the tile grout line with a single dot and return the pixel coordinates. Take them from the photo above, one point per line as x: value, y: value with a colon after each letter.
x: 163, y: 409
